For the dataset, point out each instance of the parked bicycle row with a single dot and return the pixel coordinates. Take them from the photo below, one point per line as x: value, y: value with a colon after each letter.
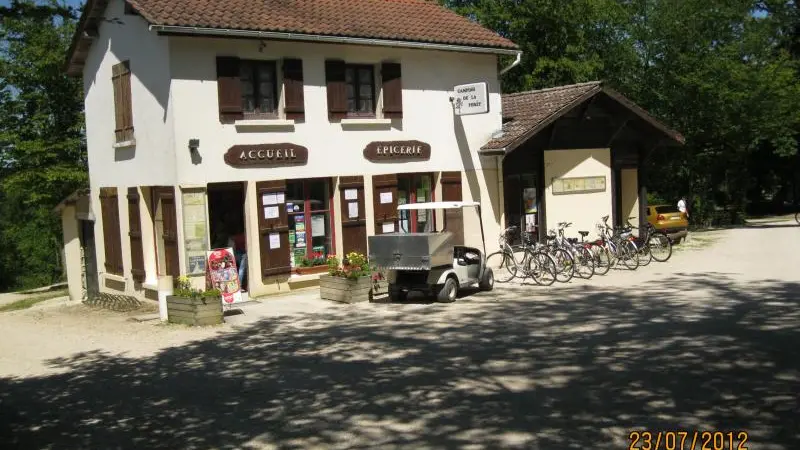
x: 561, y: 258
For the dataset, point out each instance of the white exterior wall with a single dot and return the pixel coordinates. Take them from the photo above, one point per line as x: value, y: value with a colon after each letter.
x: 583, y: 210
x: 630, y: 195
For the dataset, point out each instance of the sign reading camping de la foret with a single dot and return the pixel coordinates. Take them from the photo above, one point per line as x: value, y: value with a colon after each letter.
x: 397, y: 151
x: 471, y: 98
x: 266, y: 155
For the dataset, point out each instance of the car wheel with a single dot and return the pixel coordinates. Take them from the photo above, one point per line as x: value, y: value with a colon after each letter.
x: 449, y: 291
x: 396, y: 295
x: 487, y: 282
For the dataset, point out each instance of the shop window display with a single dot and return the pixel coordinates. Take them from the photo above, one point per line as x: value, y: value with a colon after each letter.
x: 310, y: 228
x: 414, y: 188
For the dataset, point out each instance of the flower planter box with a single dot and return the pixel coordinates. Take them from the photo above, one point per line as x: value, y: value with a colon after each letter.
x: 310, y: 270
x: 194, y: 311
x: 340, y: 289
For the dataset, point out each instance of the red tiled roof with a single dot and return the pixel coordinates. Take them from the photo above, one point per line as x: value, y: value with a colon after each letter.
x: 401, y: 20
x: 531, y: 111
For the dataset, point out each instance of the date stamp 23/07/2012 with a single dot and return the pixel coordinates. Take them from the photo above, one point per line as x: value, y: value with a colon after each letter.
x: 688, y: 440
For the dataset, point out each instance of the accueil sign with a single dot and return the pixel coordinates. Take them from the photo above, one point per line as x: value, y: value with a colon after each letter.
x: 266, y: 155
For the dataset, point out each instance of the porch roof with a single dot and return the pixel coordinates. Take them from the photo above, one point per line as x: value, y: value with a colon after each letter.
x: 527, y: 113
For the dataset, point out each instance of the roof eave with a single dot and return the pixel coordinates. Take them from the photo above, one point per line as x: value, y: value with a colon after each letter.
x: 85, y: 32
x: 291, y: 36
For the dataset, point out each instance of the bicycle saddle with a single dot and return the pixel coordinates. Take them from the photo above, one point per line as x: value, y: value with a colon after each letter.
x: 583, y: 233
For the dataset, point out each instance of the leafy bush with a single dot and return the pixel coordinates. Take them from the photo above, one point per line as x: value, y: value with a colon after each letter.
x: 317, y: 259
x: 353, y: 266
x: 183, y: 288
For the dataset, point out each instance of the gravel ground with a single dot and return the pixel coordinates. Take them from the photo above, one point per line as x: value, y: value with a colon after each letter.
x: 705, y: 342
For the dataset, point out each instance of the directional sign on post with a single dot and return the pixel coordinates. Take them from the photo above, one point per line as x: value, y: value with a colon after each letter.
x: 471, y: 98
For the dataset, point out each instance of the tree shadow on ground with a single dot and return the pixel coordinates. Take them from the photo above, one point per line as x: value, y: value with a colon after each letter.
x: 573, y: 368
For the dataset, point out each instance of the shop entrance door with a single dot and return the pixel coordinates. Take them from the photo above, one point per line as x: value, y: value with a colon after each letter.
x: 415, y: 188
x: 522, y: 204
x: 226, y: 216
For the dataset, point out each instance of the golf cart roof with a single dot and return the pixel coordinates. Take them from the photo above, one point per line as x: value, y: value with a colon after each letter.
x: 438, y: 205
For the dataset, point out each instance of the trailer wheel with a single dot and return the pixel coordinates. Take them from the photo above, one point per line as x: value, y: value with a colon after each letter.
x: 487, y: 282
x: 449, y: 291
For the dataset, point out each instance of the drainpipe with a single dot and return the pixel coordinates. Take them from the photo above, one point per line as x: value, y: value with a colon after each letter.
x: 513, y: 64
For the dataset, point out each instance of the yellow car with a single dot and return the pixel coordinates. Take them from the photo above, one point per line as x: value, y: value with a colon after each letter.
x: 668, y: 219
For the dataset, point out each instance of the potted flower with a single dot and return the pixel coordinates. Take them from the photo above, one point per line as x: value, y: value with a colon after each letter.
x: 317, y: 263
x: 348, y: 281
x: 192, y: 306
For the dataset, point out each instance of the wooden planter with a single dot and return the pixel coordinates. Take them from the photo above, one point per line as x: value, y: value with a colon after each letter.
x: 344, y: 290
x: 311, y: 269
x: 194, y: 312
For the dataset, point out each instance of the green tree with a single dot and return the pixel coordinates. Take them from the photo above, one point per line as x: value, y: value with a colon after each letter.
x: 42, y: 151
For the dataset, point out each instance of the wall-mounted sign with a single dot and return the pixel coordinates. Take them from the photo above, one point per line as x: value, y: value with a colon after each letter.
x: 397, y: 151
x: 266, y: 155
x: 579, y: 185
x: 471, y: 98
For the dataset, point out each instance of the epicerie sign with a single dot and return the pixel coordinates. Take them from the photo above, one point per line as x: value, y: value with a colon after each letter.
x: 471, y: 98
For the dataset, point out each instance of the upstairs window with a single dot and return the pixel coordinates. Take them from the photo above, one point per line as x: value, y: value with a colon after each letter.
x: 259, y: 88
x: 360, y: 81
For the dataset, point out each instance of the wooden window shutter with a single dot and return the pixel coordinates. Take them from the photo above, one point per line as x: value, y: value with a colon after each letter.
x: 229, y: 89
x: 274, y: 261
x: 392, y: 90
x: 384, y: 212
x: 123, y: 106
x: 112, y: 241
x: 169, y: 217
x: 354, y: 229
x: 293, y: 88
x: 135, y: 235
x: 337, y: 89
x: 451, y: 192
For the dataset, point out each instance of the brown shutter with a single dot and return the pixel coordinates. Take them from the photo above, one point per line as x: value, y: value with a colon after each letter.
x: 123, y: 106
x: 453, y: 218
x: 293, y: 88
x: 229, y: 89
x: 273, y: 261
x: 112, y: 241
x: 384, y: 212
x: 354, y: 230
x: 337, y: 89
x: 169, y: 219
x: 135, y: 235
x: 392, y: 90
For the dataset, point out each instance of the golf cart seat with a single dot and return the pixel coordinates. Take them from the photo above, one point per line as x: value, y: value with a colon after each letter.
x: 583, y: 233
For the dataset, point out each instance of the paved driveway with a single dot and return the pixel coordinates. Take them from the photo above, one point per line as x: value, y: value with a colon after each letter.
x: 706, y: 342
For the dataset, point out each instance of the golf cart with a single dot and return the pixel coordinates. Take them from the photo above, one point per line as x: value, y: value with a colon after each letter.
x: 429, y: 261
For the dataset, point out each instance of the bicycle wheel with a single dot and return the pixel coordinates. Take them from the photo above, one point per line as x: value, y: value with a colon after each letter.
x: 542, y: 268
x: 584, y: 262
x: 503, y: 266
x: 565, y: 264
x: 645, y: 255
x: 602, y: 259
x: 660, y: 247
x: 628, y: 254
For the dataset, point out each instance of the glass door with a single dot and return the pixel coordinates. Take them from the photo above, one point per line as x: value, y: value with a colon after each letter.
x: 414, y: 188
x: 522, y: 205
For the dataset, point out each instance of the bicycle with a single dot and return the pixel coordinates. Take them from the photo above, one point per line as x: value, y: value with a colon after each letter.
x: 624, y: 250
x: 658, y: 244
x: 581, y: 255
x: 565, y: 263
x: 600, y: 255
x: 535, y: 264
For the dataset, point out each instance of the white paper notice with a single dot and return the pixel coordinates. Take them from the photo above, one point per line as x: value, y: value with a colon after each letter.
x: 318, y: 225
x: 269, y: 199
x: 274, y: 240
x: 351, y: 194
x: 280, y: 198
x: 271, y: 212
x: 386, y: 197
x: 388, y: 227
x: 352, y: 210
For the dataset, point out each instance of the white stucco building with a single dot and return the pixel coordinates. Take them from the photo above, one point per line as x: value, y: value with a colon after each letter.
x: 267, y: 124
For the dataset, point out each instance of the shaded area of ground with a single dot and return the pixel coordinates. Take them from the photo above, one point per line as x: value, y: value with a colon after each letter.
x: 576, y: 370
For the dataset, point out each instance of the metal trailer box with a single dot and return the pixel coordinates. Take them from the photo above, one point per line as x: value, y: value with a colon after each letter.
x: 415, y: 251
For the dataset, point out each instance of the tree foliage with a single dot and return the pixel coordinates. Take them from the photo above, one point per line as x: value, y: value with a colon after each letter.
x: 723, y: 72
x: 42, y: 151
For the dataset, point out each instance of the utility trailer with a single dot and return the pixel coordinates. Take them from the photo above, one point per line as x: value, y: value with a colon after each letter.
x: 430, y: 261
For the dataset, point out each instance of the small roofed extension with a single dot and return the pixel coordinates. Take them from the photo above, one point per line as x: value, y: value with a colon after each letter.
x: 407, y: 23
x: 555, y: 134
